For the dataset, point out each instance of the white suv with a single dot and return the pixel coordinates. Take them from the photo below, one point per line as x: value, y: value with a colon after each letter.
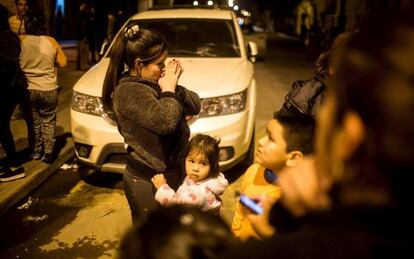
x: 217, y: 65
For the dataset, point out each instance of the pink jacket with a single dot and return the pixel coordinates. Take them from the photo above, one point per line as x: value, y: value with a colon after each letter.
x: 204, y: 194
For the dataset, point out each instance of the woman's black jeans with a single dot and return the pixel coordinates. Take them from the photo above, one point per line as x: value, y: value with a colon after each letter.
x: 8, y: 103
x: 140, y: 193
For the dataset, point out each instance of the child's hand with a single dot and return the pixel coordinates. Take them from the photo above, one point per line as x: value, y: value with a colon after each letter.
x: 158, y: 180
x: 260, y: 223
x: 170, y: 76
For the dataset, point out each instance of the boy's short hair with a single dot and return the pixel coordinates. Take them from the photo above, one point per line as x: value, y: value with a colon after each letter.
x: 298, y: 131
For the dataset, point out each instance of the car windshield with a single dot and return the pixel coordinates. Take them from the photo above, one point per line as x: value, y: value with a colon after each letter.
x: 196, y: 37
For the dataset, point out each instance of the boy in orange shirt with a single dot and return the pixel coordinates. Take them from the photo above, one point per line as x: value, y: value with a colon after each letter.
x: 289, y: 137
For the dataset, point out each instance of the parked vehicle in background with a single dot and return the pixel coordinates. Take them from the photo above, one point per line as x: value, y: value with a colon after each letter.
x: 217, y: 65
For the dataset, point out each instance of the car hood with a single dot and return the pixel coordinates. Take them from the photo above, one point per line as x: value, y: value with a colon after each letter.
x: 91, y: 82
x: 208, y: 77
x: 216, y: 77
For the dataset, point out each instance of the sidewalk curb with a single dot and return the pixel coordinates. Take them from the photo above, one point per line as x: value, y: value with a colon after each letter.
x: 37, y: 172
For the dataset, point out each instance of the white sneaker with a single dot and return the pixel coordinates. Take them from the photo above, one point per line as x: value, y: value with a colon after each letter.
x: 8, y: 175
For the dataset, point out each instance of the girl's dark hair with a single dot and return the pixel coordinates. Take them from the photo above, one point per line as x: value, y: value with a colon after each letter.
x: 133, y: 43
x: 35, y: 23
x: 208, y: 146
x: 178, y: 232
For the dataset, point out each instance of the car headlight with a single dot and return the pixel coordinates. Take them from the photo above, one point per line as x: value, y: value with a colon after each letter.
x: 87, y: 104
x: 223, y: 105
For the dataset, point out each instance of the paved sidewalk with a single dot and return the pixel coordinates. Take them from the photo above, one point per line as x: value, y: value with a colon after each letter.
x: 37, y: 171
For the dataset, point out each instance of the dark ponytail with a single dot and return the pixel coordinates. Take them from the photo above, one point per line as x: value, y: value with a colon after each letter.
x: 115, y: 69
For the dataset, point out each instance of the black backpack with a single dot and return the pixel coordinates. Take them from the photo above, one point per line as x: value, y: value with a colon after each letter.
x: 305, y: 96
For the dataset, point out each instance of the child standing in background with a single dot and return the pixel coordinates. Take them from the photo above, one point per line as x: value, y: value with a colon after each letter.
x: 203, y: 184
x: 38, y: 59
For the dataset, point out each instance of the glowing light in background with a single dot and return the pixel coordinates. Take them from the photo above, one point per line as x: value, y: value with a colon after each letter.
x: 60, y: 3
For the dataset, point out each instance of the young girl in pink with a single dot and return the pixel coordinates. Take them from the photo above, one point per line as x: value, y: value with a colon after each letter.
x: 203, y: 183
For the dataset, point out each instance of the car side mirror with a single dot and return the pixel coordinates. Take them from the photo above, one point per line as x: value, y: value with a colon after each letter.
x: 252, y: 51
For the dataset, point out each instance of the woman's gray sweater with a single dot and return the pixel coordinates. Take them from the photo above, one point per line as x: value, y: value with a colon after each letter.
x: 153, y: 123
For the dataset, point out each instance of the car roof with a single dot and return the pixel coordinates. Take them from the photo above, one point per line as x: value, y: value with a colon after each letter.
x: 185, y: 13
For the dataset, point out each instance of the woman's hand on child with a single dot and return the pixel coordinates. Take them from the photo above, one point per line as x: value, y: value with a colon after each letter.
x: 158, y: 180
x: 173, y: 70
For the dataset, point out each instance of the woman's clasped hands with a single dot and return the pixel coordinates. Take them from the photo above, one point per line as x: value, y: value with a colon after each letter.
x: 170, y: 75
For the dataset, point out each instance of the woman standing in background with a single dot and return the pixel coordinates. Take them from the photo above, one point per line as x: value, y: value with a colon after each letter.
x: 38, y: 59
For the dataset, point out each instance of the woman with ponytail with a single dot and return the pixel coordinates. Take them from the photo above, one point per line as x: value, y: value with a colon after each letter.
x: 151, y: 111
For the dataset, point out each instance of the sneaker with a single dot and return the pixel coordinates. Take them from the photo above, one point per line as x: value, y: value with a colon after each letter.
x: 36, y: 155
x: 9, y: 175
x: 48, y: 158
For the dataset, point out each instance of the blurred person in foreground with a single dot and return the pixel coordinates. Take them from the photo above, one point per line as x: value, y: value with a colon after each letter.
x: 354, y: 199
x: 177, y: 232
